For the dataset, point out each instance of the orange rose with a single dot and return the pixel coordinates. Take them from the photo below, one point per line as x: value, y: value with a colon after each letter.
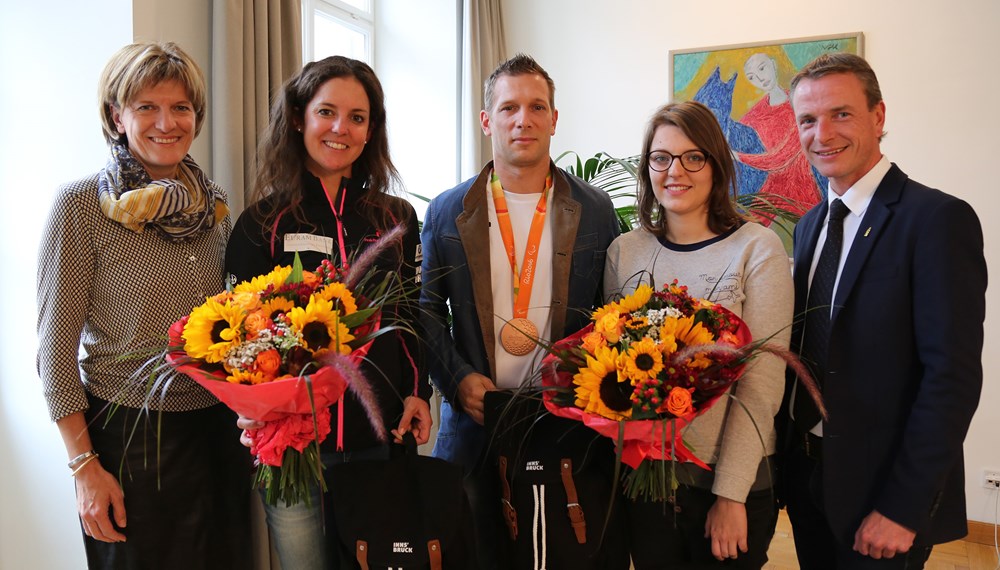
x: 679, y: 402
x: 268, y: 363
x: 729, y: 338
x: 222, y: 297
x: 246, y: 300
x: 592, y: 340
x: 254, y: 323
x: 610, y: 325
x: 310, y: 279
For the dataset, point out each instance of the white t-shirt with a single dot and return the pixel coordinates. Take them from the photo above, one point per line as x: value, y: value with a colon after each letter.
x: 515, y: 371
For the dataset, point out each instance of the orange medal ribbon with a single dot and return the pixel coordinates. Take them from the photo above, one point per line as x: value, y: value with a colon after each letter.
x: 518, y: 336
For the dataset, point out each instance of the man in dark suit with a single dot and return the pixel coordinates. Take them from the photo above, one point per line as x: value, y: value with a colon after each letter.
x: 896, y: 345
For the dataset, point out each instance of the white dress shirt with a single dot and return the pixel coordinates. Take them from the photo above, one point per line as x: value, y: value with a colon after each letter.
x: 857, y: 198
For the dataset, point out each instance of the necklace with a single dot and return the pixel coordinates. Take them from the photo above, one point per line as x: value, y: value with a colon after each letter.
x: 519, y: 335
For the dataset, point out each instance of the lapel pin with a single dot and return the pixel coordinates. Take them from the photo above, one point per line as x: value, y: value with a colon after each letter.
x: 868, y: 231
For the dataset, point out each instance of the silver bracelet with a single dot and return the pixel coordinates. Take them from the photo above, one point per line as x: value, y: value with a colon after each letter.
x: 81, y: 458
x: 83, y: 464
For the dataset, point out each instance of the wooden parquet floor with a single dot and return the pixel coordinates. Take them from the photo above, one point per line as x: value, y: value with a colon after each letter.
x: 958, y: 555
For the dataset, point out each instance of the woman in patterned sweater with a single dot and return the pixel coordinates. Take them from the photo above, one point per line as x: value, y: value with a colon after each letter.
x: 126, y: 252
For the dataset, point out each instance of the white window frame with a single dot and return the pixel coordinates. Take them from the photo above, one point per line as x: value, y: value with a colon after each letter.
x: 350, y: 16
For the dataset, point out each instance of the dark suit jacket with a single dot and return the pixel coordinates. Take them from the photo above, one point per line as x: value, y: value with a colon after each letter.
x: 457, y: 282
x: 905, y: 369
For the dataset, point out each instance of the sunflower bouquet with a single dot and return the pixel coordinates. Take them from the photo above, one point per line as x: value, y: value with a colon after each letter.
x: 645, y: 367
x: 282, y: 348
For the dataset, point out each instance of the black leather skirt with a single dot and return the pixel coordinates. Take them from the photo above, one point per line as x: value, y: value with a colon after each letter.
x: 187, y: 490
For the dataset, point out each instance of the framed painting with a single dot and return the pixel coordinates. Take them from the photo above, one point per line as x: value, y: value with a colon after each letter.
x: 747, y: 87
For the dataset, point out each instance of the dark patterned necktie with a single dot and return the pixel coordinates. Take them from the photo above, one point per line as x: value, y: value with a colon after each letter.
x: 816, y: 336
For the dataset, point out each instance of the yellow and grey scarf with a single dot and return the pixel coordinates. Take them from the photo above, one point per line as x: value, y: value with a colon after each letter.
x: 177, y: 209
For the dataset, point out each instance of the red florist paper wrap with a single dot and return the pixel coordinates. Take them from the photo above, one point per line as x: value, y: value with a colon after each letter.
x: 658, y: 439
x: 282, y: 404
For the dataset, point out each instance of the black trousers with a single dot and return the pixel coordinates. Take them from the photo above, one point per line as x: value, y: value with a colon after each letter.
x: 661, y: 538
x: 816, y: 546
x: 187, y: 496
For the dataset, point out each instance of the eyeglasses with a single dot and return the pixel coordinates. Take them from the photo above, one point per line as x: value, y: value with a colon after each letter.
x: 692, y: 160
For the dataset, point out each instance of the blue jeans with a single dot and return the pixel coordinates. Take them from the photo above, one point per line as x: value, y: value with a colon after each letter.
x: 298, y: 531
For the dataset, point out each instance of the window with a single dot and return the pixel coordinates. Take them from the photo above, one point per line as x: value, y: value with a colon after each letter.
x: 338, y: 27
x: 416, y: 49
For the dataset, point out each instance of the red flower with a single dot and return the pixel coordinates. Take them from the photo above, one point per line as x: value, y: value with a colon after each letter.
x: 295, y: 430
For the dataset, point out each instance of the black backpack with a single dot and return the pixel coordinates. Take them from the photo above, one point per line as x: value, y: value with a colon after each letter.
x: 556, y: 484
x: 409, y: 512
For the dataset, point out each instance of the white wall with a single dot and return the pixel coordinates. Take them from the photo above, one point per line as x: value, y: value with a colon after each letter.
x: 53, y: 53
x: 610, y: 68
x: 188, y: 23
x: 415, y: 53
x: 51, y: 134
x: 936, y: 63
x: 415, y: 60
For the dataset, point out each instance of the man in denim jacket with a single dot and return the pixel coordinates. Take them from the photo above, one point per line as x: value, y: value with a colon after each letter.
x: 467, y: 274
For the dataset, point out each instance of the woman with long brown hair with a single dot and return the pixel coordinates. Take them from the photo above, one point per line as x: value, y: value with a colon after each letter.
x: 692, y: 232
x: 323, y: 192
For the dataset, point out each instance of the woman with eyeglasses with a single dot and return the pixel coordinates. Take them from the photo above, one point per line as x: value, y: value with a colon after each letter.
x: 691, y: 231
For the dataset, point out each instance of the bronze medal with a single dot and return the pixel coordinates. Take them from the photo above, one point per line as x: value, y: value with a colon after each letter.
x: 518, y: 336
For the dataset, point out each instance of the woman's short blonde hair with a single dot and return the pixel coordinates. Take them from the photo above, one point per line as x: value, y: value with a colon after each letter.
x: 138, y: 66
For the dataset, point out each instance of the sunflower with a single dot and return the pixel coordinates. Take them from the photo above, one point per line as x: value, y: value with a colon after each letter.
x: 600, y: 389
x: 245, y: 377
x: 637, y: 299
x: 636, y: 323
x: 667, y: 339
x: 642, y: 360
x: 604, y: 310
x: 340, y: 292
x: 272, y: 307
x: 320, y: 326
x: 276, y: 277
x: 688, y: 333
x: 212, y: 330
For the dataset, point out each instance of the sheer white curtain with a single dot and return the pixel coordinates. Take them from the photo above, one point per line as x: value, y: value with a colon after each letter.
x: 256, y: 45
x: 483, y: 48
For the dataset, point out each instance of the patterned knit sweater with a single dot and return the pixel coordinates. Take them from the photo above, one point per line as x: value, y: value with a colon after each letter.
x: 115, y: 293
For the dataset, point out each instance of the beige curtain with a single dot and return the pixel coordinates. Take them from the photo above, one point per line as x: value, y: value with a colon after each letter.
x: 483, y: 48
x: 256, y: 45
